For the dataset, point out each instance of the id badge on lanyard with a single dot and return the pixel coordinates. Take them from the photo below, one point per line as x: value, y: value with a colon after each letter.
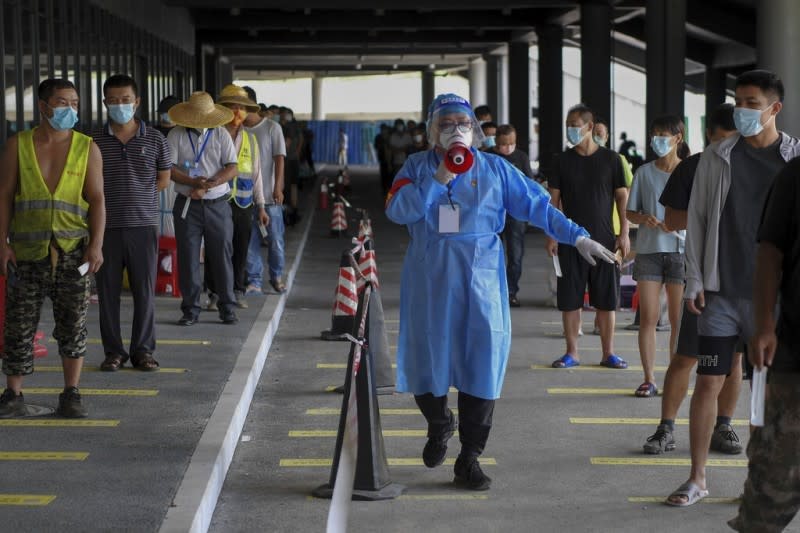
x: 194, y: 168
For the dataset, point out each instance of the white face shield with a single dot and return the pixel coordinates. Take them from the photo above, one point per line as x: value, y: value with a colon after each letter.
x: 450, y: 119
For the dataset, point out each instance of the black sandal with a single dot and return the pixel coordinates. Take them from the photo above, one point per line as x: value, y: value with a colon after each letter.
x: 113, y: 362
x: 144, y: 362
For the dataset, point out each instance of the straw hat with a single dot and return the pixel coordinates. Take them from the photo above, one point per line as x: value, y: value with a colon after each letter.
x: 233, y: 94
x: 200, y: 112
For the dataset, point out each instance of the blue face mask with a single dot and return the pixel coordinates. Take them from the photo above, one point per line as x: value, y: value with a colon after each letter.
x: 165, y: 118
x: 63, y: 118
x: 121, y: 113
x: 661, y: 145
x: 489, y: 141
x: 748, y: 121
x: 574, y: 135
x: 599, y: 141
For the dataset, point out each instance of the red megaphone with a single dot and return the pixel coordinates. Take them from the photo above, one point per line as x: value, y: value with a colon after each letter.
x: 458, y: 158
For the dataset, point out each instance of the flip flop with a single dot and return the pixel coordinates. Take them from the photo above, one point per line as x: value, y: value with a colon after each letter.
x: 688, y: 490
x: 614, y: 361
x: 565, y: 361
x: 646, y: 390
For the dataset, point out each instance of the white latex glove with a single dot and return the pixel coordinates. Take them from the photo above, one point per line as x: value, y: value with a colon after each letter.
x: 443, y: 175
x: 590, y: 249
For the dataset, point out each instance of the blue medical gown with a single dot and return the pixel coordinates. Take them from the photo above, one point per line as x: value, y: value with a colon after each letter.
x: 455, y: 327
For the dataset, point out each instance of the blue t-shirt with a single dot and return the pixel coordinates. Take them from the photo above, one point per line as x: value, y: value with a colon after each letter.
x: 648, y: 183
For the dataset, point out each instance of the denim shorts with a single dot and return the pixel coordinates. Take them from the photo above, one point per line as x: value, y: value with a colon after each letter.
x: 661, y: 267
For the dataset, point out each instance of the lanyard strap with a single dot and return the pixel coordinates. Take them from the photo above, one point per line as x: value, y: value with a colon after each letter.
x: 198, y: 155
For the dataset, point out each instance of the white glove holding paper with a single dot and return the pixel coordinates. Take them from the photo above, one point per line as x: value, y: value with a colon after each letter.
x: 590, y: 249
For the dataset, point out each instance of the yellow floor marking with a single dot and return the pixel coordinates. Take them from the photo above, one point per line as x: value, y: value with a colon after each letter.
x: 332, y: 433
x: 393, y: 461
x: 26, y: 499
x: 392, y: 320
x: 43, y: 456
x: 664, y: 461
x: 57, y: 423
x: 591, y: 391
x: 161, y: 370
x: 173, y: 342
x: 342, y: 366
x: 648, y: 421
x: 96, y: 392
x: 323, y: 411
x: 435, y: 497
x: 660, y: 499
x: 597, y: 368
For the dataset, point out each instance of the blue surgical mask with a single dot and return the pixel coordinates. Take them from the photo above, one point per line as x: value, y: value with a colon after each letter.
x: 661, y: 145
x: 748, y: 121
x: 489, y: 141
x: 574, y: 135
x: 165, y: 118
x: 121, y: 113
x: 64, y: 118
x: 598, y: 140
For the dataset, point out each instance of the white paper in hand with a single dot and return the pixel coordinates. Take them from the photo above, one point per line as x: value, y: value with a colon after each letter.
x: 83, y: 269
x: 759, y: 382
x: 557, y: 266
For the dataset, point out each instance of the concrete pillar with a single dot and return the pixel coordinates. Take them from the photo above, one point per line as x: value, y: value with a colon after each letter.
x: 316, y: 99
x: 551, y: 95
x: 477, y: 82
x: 497, y: 86
x: 665, y: 23
x: 777, y: 28
x: 225, y: 73
x: 519, y: 94
x: 596, y: 56
x: 428, y: 92
x: 715, y: 90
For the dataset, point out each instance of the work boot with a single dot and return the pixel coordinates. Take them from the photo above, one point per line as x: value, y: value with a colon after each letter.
x: 12, y: 404
x: 436, y: 448
x: 241, y: 303
x: 725, y: 440
x: 69, y: 404
x: 211, y: 304
x: 659, y: 442
x: 468, y: 474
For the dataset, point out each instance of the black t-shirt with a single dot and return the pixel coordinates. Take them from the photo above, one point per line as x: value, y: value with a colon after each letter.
x: 678, y: 189
x: 519, y: 159
x: 587, y: 185
x: 780, y: 226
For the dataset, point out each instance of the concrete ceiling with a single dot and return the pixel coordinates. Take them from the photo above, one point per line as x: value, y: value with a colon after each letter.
x: 265, y: 38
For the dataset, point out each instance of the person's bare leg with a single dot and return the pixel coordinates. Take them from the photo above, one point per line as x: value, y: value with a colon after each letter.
x: 606, y: 320
x: 572, y: 323
x: 14, y: 383
x: 729, y: 395
x: 702, y: 414
x: 649, y: 311
x: 72, y: 370
x: 676, y: 384
x: 674, y: 306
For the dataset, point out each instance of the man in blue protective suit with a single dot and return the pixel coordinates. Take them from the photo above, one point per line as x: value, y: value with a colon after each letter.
x: 454, y: 318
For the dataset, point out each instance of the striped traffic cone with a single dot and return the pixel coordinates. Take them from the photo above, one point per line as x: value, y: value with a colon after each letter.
x: 345, y: 302
x: 338, y: 220
x: 367, y: 266
x: 364, y: 227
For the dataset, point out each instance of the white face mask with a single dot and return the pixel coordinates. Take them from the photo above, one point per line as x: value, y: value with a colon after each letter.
x: 448, y: 139
x: 417, y: 138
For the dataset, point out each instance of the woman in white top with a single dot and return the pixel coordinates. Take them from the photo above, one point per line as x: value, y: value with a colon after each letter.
x: 659, y: 251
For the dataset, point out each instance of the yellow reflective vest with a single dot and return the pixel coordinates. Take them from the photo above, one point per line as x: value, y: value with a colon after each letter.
x: 242, y: 190
x: 39, y: 216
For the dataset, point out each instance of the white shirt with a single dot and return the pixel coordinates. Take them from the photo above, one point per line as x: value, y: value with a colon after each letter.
x: 218, y: 152
x: 270, y: 144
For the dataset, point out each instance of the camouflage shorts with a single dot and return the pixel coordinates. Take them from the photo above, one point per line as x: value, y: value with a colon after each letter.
x: 772, y: 490
x: 69, y: 292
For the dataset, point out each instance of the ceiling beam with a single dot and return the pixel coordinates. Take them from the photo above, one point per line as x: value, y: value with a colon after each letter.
x: 324, y: 38
x: 387, y: 5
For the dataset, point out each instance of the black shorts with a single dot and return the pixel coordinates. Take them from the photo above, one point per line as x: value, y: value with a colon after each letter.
x: 687, y: 333
x: 717, y: 355
x: 602, y: 279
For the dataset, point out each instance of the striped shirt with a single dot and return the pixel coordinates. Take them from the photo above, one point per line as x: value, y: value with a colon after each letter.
x: 130, y: 175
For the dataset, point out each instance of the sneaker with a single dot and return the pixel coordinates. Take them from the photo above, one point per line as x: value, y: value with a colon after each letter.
x: 663, y: 327
x: 633, y: 326
x: 241, y: 303
x: 187, y: 320
x: 253, y: 289
x: 468, y: 474
x: 513, y: 301
x: 211, y: 304
x: 228, y: 317
x: 12, y: 405
x: 69, y: 404
x: 725, y: 440
x: 659, y: 442
x: 436, y: 448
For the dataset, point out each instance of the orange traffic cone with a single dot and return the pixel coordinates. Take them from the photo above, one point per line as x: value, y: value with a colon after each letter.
x: 360, y: 436
x: 338, y: 220
x: 345, y: 302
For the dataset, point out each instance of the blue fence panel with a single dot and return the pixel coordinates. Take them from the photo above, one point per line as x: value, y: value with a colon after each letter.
x: 360, y: 136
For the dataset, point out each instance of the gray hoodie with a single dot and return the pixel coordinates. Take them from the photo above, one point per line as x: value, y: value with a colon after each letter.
x: 712, y: 180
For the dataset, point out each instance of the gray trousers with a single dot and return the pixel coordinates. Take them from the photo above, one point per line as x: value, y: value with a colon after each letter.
x: 134, y: 249
x: 208, y: 220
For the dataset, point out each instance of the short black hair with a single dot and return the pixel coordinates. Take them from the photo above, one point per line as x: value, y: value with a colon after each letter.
x: 120, y: 80
x: 51, y: 85
x: 483, y: 110
x: 767, y: 81
x: 505, y: 129
x: 168, y: 101
x: 263, y: 107
x: 489, y: 124
x: 585, y: 111
x: 601, y: 120
x: 250, y: 93
x: 721, y: 118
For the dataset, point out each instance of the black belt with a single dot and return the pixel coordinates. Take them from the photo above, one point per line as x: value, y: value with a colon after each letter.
x: 203, y: 200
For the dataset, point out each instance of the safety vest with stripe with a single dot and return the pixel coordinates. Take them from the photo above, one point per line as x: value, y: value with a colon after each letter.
x: 242, y: 190
x: 39, y: 216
